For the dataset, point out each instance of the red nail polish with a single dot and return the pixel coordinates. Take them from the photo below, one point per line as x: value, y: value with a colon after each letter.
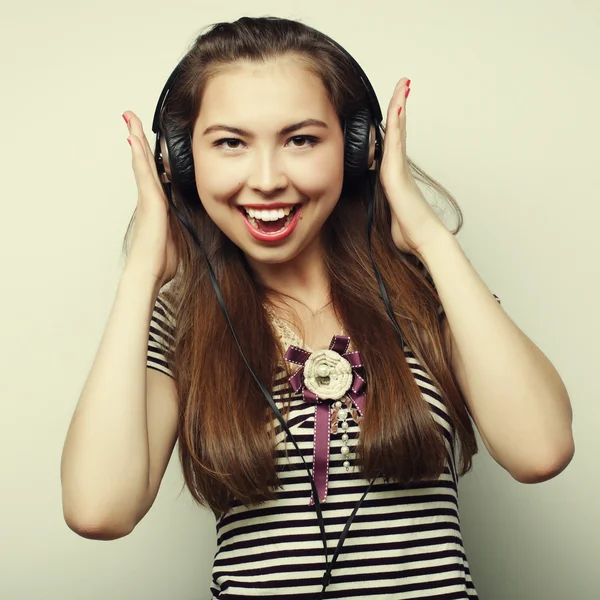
x: 399, y: 110
x: 129, y: 141
x: 408, y: 83
x: 125, y: 118
x: 407, y: 93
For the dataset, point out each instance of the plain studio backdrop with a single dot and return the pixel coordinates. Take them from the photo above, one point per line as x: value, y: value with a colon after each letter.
x: 503, y: 112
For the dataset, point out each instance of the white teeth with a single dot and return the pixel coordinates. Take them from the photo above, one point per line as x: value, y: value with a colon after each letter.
x: 269, y: 215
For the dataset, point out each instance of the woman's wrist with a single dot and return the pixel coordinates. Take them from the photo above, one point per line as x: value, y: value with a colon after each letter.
x: 140, y: 280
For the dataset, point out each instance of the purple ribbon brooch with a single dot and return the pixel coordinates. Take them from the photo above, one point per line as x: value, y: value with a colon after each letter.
x: 325, y: 376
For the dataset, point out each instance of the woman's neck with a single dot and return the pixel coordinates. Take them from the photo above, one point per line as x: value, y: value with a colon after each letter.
x: 301, y: 283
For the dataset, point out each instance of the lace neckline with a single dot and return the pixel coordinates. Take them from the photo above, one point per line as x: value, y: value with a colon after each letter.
x: 287, y: 335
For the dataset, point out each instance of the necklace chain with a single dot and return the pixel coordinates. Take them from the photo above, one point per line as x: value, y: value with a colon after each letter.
x: 284, y: 327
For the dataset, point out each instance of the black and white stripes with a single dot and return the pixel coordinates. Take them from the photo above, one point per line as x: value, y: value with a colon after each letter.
x: 404, y: 543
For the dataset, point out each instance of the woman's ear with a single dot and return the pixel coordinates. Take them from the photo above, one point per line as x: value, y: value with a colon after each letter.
x: 372, y: 143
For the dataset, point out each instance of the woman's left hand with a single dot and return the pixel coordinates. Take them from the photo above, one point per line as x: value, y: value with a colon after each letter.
x: 414, y: 222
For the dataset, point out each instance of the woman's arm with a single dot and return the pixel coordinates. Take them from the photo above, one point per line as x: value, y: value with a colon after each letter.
x: 515, y: 395
x: 124, y: 427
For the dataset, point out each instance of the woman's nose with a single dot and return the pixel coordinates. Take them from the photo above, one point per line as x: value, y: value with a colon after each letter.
x: 267, y: 174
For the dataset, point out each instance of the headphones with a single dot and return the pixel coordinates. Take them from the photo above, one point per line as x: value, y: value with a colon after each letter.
x: 362, y: 151
x: 362, y: 143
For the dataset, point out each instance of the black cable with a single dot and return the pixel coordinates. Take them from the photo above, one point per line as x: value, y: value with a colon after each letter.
x: 328, y: 565
x: 384, y: 294
x: 260, y: 385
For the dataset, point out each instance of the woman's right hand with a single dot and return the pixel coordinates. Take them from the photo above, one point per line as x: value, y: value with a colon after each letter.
x: 152, y: 251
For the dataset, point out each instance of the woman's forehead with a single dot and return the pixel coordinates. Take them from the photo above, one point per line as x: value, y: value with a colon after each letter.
x: 283, y: 87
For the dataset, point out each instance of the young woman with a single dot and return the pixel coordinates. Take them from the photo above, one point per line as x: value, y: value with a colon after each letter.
x: 269, y: 108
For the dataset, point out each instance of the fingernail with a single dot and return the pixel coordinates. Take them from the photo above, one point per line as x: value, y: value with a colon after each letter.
x: 407, y: 82
x: 407, y: 93
x: 125, y: 118
x: 399, y: 110
x: 129, y: 141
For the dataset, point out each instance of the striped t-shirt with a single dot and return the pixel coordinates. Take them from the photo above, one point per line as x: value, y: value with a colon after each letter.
x: 404, y: 543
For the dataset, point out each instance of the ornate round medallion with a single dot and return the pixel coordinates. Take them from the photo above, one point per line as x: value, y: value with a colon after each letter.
x: 328, y: 374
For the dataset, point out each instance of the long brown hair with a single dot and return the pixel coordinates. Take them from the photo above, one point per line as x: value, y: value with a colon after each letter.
x: 226, y: 447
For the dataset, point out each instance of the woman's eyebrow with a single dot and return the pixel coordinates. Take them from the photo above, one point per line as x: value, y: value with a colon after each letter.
x: 284, y: 131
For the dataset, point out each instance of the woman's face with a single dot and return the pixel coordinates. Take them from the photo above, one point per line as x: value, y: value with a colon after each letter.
x: 268, y: 138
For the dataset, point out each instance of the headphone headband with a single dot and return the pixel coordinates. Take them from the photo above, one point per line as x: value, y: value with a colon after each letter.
x: 373, y: 101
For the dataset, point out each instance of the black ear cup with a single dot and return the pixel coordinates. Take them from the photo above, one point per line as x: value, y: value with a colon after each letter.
x: 357, y: 145
x: 178, y: 161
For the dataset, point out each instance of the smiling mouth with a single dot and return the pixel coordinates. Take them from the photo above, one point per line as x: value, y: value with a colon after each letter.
x: 269, y: 221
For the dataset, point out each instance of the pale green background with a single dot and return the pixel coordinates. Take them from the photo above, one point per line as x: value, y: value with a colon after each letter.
x: 503, y: 111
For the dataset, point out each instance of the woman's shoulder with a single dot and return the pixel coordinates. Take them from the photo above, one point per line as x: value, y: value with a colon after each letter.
x: 164, y: 306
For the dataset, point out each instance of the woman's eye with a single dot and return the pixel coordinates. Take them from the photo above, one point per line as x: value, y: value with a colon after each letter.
x: 309, y: 139
x: 231, y: 143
